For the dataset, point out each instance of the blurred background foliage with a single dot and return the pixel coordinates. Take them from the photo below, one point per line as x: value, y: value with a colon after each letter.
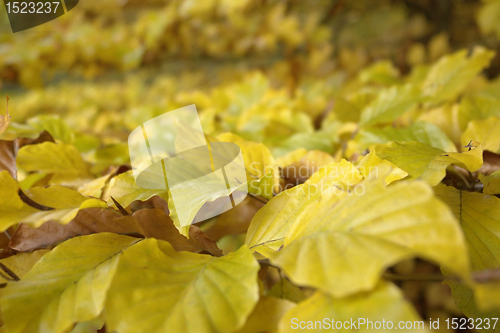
x: 292, y: 74
x: 109, y: 65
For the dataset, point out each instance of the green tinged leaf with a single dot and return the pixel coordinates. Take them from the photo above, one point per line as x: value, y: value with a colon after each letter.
x: 60, y: 159
x: 343, y: 246
x: 169, y: 291
x: 477, y: 107
x: 448, y: 78
x: 421, y: 131
x: 422, y: 161
x: 390, y: 104
x: 124, y: 189
x: 68, y: 285
x: 55, y: 126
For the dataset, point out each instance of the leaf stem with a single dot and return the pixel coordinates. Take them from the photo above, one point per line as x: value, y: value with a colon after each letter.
x: 257, y: 198
x: 416, y: 277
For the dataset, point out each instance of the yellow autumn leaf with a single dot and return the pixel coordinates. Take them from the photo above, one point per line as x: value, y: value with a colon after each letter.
x: 421, y: 131
x: 449, y: 76
x: 381, y: 309
x: 266, y: 315
x: 259, y: 164
x: 479, y: 216
x: 491, y: 183
x: 66, y: 286
x: 124, y: 190
x: 198, y: 293
x: 5, y: 120
x: 342, y: 175
x: 270, y: 225
x: 56, y: 202
x: 484, y: 131
x: 390, y: 104
x: 21, y: 263
x: 422, y: 161
x: 60, y: 159
x: 343, y: 246
x: 372, y: 166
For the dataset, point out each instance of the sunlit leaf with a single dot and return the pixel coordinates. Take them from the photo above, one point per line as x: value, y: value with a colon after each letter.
x: 451, y: 74
x: 382, y: 305
x: 428, y: 163
x: 421, y: 131
x: 67, y: 285
x: 370, y: 165
x: 54, y: 202
x: 346, y: 244
x: 62, y: 160
x: 218, y: 294
x: 484, y: 131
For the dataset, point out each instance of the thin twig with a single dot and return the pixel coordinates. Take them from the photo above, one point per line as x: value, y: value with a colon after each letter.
x: 257, y: 198
x: 8, y: 234
x: 9, y: 272
x: 417, y: 277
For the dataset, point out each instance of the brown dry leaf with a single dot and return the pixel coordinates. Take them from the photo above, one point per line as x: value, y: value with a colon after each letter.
x: 235, y: 221
x: 9, y: 149
x: 491, y: 163
x: 155, y: 223
x: 150, y: 223
x: 8, y: 158
x: 87, y: 221
x: 300, y: 171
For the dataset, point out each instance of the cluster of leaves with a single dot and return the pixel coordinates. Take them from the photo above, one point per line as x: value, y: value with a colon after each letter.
x: 398, y: 167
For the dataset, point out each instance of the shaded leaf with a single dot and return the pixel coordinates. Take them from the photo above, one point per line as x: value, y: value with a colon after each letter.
x: 234, y: 221
x: 479, y: 216
x: 491, y: 183
x: 266, y: 315
x: 287, y: 290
